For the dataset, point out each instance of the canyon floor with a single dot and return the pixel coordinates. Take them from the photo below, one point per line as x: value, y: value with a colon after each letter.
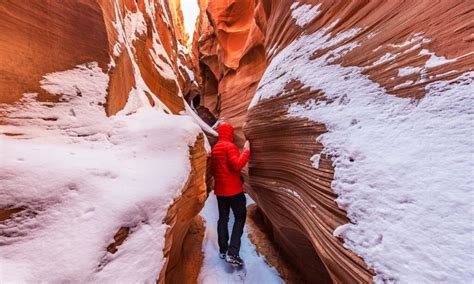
x: 216, y: 270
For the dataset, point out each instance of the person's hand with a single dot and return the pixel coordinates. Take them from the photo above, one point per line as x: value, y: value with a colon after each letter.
x: 247, y: 145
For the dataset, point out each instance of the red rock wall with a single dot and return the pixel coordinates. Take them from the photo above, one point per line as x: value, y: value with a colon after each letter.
x: 49, y: 36
x: 160, y: 30
x: 180, y: 218
x: 40, y: 37
x: 235, y: 46
x: 230, y: 49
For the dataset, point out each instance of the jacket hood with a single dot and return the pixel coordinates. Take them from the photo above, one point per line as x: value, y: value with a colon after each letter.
x: 226, y: 132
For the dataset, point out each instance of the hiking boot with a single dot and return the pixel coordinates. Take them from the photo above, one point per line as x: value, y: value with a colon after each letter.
x: 234, y: 259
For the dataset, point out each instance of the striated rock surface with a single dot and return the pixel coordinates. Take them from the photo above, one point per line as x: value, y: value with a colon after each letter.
x: 266, y: 246
x: 180, y: 217
x: 62, y: 63
x: 140, y: 44
x: 230, y: 49
x: 372, y: 62
x: 47, y: 36
x: 296, y: 198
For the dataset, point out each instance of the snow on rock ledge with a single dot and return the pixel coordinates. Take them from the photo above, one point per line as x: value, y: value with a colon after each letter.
x: 80, y: 176
x: 134, y: 41
x: 91, y: 155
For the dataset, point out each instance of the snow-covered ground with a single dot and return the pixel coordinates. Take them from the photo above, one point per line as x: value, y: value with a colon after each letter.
x: 216, y: 270
x: 80, y: 177
x: 404, y: 169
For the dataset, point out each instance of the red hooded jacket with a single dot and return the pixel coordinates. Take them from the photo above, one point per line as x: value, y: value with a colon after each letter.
x: 226, y: 163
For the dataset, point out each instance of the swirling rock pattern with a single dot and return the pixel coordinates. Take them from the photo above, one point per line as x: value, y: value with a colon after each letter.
x: 400, y: 45
x: 295, y: 197
x: 230, y: 49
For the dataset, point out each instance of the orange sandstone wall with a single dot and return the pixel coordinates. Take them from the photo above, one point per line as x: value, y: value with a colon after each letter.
x: 154, y: 51
x: 139, y: 44
x: 178, y: 268
x: 238, y: 39
x: 230, y: 49
x: 39, y: 37
x: 49, y: 36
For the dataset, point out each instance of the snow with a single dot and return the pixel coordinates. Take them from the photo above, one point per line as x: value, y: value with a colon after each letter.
x: 137, y: 98
x: 315, y: 160
x: 163, y: 65
x: 134, y: 23
x: 385, y: 58
x: 216, y: 270
x: 404, y: 84
x: 269, y: 86
x: 184, y: 50
x: 127, y: 28
x: 406, y: 205
x: 413, y: 43
x: 126, y: 35
x: 403, y: 172
x: 405, y: 71
x: 81, y: 176
x: 371, y: 35
x: 164, y: 15
x: 305, y: 13
x: 417, y: 37
x: 205, y: 127
x: 294, y: 193
x: 188, y: 71
x: 272, y: 50
x: 434, y: 60
x: 117, y: 49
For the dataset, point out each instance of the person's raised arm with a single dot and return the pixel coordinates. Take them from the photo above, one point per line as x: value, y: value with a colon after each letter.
x: 237, y: 160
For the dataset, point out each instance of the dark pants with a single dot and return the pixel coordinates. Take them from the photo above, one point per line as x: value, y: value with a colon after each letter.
x: 238, y: 206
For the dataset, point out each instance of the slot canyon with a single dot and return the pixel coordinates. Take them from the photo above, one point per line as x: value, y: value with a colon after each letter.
x: 359, y: 116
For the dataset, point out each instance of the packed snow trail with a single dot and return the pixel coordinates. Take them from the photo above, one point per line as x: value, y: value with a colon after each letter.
x: 216, y: 270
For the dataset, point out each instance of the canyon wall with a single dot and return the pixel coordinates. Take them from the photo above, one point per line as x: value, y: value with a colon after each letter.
x: 303, y: 56
x: 229, y: 44
x: 181, y: 266
x: 140, y: 46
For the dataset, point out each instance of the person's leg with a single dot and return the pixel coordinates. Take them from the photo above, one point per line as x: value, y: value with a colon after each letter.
x: 238, y: 205
x: 222, y: 231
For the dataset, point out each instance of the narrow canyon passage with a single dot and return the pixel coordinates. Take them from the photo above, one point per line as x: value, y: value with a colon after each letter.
x: 359, y: 116
x: 215, y: 270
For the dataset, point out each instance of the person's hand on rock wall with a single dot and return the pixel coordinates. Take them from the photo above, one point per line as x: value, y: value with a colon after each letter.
x: 247, y: 145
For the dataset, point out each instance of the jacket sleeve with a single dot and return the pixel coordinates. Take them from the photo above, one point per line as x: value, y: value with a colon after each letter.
x: 235, y: 159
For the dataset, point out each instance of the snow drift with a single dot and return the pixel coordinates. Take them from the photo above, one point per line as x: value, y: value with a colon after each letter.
x: 79, y: 176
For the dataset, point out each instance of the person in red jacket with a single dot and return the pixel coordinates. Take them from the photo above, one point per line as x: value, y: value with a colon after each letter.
x: 226, y: 163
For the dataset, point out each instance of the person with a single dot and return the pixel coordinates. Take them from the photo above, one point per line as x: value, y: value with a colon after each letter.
x: 226, y: 163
